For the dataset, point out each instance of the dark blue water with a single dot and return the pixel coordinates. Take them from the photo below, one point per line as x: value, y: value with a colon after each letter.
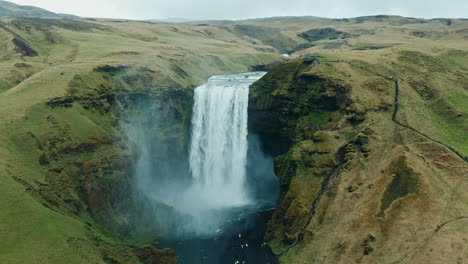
x: 241, y: 240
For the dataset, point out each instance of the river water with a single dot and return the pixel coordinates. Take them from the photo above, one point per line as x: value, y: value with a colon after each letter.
x: 240, y: 240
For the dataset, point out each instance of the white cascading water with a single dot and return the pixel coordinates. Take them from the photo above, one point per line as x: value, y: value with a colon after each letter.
x: 217, y: 191
x: 218, y: 152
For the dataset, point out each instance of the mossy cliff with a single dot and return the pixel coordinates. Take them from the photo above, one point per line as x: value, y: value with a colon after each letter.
x: 350, y: 177
x: 292, y: 103
x: 81, y: 148
x: 295, y: 110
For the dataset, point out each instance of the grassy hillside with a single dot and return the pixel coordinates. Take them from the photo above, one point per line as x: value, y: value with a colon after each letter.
x: 8, y: 9
x: 356, y: 186
x: 63, y: 172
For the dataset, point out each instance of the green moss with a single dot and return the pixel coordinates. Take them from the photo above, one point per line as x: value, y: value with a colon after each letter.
x: 19, y: 242
x: 4, y: 86
x: 455, y: 60
x: 293, y: 102
x: 350, y: 136
x: 442, y: 108
x: 313, y: 88
x: 268, y: 35
x: 323, y: 34
x: 318, y: 118
x: 53, y: 229
x: 404, y: 182
x: 277, y: 247
x: 421, y: 61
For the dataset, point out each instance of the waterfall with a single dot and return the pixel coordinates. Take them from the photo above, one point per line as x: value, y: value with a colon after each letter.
x: 201, y: 192
x: 218, y: 151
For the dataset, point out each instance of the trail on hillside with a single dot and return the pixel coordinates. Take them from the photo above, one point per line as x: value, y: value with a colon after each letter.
x: 328, y: 179
x: 396, y: 107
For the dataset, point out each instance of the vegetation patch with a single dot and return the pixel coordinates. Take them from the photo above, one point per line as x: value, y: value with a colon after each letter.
x: 8, y: 9
x: 317, y: 34
x: 268, y: 35
x: 44, y: 24
x: 371, y: 47
x: 23, y: 48
x: 422, y: 61
x: 404, y: 182
x: 304, y: 46
x: 315, y: 120
x: 419, y: 34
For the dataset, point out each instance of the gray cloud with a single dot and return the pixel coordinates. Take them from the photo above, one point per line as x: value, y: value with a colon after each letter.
x: 240, y: 9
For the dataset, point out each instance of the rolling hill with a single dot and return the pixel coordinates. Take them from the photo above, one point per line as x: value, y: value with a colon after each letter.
x: 12, y: 10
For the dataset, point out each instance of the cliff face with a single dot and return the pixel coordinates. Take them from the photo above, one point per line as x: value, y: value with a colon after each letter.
x: 356, y: 187
x: 79, y: 143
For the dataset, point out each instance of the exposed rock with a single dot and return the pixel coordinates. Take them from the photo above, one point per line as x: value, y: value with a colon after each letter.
x: 265, y: 67
x: 289, y: 238
x: 366, y: 244
x: 324, y: 33
x: 61, y: 102
x: 23, y: 48
x: 43, y: 160
x: 150, y: 255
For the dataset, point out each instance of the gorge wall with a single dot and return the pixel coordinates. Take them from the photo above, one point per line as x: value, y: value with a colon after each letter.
x: 81, y: 145
x: 355, y: 186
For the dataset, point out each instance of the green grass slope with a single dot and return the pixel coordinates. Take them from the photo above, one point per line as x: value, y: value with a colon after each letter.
x: 8, y: 9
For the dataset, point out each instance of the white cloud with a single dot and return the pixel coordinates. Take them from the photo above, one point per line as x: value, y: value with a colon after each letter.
x: 238, y: 9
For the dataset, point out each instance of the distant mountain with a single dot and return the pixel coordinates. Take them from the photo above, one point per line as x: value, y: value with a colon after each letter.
x: 8, y: 9
x: 176, y: 20
x: 216, y: 22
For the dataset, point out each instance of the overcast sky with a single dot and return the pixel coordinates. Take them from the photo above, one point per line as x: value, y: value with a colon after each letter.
x: 240, y: 9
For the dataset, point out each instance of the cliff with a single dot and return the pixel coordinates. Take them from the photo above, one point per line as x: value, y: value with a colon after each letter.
x: 357, y: 186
